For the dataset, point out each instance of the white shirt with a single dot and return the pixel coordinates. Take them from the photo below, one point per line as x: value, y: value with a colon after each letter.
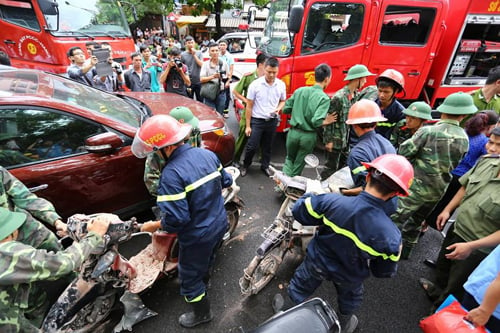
x: 265, y: 97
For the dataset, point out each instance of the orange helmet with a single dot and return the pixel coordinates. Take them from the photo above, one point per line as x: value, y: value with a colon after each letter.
x: 158, y: 132
x: 396, y: 168
x: 364, y: 112
x: 394, y: 77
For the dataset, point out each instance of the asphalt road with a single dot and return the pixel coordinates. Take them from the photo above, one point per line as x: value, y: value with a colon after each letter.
x: 390, y: 305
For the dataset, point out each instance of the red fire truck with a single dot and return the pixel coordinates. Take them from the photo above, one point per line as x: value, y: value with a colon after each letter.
x: 38, y: 33
x: 440, y: 46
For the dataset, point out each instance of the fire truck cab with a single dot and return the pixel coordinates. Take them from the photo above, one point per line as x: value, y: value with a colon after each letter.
x: 440, y: 46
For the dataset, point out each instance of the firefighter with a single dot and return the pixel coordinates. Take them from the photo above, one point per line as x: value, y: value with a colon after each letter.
x: 22, y: 266
x: 155, y: 163
x: 189, y: 197
x: 335, y: 135
x: 434, y: 152
x: 416, y: 114
x: 389, y: 84
x: 363, y: 117
x: 355, y: 237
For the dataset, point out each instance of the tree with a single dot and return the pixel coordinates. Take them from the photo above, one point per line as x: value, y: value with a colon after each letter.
x: 197, y: 8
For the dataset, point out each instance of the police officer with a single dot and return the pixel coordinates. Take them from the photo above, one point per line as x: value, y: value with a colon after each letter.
x: 335, y: 135
x: 155, y: 162
x: 355, y: 237
x: 21, y: 265
x: 434, y: 151
x: 416, y: 114
x: 189, y: 196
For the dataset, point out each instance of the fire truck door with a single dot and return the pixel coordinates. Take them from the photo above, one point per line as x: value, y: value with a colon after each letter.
x: 406, y: 38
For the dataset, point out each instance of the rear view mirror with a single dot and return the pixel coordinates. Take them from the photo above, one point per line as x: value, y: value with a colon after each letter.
x: 295, y: 19
x: 252, y: 12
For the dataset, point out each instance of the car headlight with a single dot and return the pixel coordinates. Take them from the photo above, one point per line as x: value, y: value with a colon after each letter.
x: 221, y: 131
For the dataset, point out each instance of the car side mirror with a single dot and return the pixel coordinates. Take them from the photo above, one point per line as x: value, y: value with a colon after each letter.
x: 103, y: 143
x: 295, y: 18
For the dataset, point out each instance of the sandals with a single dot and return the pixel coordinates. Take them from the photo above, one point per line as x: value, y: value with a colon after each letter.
x: 427, y: 285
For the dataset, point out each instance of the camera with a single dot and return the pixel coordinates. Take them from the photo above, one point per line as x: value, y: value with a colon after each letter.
x: 178, y: 63
x: 117, y: 67
x: 223, y: 75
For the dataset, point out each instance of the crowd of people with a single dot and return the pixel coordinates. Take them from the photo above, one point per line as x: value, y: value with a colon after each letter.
x: 409, y: 171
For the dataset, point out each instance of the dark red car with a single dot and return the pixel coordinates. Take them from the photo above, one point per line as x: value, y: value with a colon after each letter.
x: 71, y: 142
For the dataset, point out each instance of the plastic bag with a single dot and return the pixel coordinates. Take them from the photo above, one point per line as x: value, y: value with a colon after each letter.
x: 449, y: 320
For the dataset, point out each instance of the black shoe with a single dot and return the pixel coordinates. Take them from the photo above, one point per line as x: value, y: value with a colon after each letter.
x: 266, y: 171
x: 431, y: 263
x: 243, y: 171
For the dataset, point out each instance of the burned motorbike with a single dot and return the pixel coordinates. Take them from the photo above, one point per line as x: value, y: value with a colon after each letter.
x: 129, y: 263
x: 285, y: 234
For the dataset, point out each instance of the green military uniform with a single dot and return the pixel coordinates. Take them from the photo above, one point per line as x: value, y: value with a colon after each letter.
x: 433, y: 151
x: 21, y: 265
x: 308, y: 107
x: 478, y: 217
x: 242, y: 88
x: 481, y: 104
x: 400, y: 134
x: 370, y: 92
x: 17, y: 197
x: 337, y: 132
x: 155, y: 163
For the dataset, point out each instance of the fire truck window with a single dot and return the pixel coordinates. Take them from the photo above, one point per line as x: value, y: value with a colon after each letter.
x: 19, y: 13
x: 407, y: 25
x: 331, y: 26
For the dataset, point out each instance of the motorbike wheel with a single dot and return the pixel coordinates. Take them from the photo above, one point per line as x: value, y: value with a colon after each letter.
x: 91, y: 315
x: 233, y: 217
x: 265, y: 270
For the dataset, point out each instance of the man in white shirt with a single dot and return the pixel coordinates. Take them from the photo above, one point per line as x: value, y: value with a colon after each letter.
x: 266, y: 98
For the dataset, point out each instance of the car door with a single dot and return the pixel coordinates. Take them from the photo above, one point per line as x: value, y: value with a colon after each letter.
x: 45, y: 149
x: 407, y: 36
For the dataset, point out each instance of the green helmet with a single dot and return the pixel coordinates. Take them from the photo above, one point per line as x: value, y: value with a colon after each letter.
x: 184, y: 115
x: 357, y: 71
x: 10, y: 222
x: 458, y: 103
x: 420, y: 110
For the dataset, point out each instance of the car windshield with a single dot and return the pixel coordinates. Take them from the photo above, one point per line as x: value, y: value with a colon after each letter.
x: 68, y: 91
x: 276, y: 40
x: 89, y: 18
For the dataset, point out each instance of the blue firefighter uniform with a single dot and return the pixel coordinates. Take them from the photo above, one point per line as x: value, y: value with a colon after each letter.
x: 192, y: 206
x: 355, y: 237
x: 393, y: 113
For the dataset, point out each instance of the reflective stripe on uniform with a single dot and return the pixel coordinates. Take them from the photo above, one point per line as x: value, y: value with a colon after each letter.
x: 358, y: 170
x: 190, y: 187
x: 382, y: 124
x: 341, y: 231
x: 196, y: 299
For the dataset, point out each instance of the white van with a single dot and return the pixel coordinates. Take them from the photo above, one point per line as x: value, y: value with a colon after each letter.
x: 244, y: 55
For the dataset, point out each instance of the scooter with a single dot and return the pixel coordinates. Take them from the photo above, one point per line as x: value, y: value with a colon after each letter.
x: 314, y: 315
x: 285, y: 234
x: 129, y: 263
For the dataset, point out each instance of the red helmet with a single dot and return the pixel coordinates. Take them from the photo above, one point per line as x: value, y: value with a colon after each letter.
x: 364, y: 112
x: 158, y: 132
x: 394, y: 77
x: 395, y: 167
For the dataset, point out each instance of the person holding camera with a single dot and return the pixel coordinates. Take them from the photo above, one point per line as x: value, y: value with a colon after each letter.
x: 112, y: 82
x: 150, y: 63
x: 216, y: 71
x: 175, y: 76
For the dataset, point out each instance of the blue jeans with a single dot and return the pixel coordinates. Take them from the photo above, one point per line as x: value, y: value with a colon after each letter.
x: 262, y: 136
x: 218, y: 104
x: 308, y: 277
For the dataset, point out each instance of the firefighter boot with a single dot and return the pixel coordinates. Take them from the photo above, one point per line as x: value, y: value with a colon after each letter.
x: 201, y: 314
x: 348, y: 323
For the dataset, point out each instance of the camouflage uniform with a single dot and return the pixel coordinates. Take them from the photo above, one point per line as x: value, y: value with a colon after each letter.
x: 17, y: 197
x: 337, y: 132
x: 155, y: 163
x: 22, y: 265
x: 242, y: 88
x: 400, y: 134
x: 433, y: 151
